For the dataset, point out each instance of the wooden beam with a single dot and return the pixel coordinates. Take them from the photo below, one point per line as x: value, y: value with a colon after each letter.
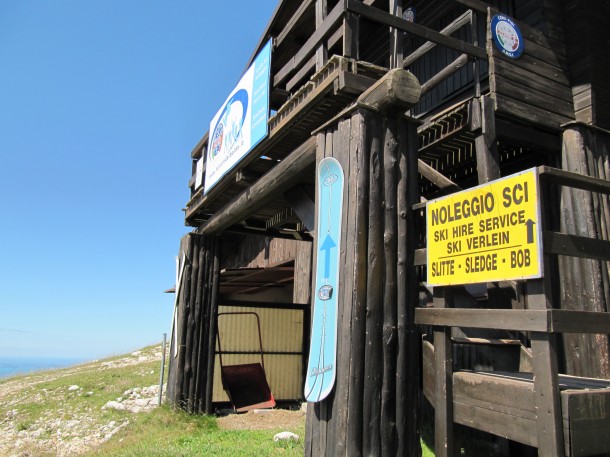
x: 382, y: 17
x: 500, y: 319
x: 421, y: 257
x: 576, y: 180
x: 475, y: 5
x: 309, y: 48
x: 398, y: 89
x: 306, y: 68
x: 296, y: 17
x: 457, y: 24
x: 439, y: 77
x: 568, y: 321
x: 534, y: 320
x: 277, y: 180
x: 576, y: 246
x: 436, y: 177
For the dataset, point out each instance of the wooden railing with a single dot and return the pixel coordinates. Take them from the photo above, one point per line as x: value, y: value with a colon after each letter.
x: 552, y: 417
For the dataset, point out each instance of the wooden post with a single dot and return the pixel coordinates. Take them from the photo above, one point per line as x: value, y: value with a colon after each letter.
x: 204, y: 300
x: 443, y: 394
x: 358, y: 185
x: 212, y: 322
x: 185, y: 310
x: 396, y: 37
x: 322, y: 51
x: 190, y: 349
x: 488, y: 162
x: 546, y: 382
x: 390, y: 312
x: 371, y: 143
x: 409, y: 338
x: 373, y: 364
x: 351, y: 36
x: 338, y: 426
x: 585, y: 150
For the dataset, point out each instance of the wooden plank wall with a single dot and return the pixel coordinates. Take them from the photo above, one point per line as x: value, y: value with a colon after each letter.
x: 536, y: 87
x: 261, y: 252
x: 372, y: 410
x: 587, y: 44
x: 302, y: 273
x: 254, y: 251
x: 585, y: 283
x: 191, y: 366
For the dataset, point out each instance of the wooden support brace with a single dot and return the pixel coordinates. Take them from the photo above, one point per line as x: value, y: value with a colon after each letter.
x: 303, y: 205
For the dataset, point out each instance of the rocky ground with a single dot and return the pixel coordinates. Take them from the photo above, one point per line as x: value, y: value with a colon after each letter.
x: 35, y: 420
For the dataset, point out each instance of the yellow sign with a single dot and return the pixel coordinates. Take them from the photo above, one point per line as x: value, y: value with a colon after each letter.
x: 488, y: 233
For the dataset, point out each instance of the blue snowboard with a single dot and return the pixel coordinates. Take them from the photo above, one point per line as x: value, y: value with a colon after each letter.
x: 321, y: 368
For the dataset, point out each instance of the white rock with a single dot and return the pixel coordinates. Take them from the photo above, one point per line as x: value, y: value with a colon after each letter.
x: 74, y: 387
x: 114, y: 405
x: 142, y: 401
x: 136, y: 353
x: 150, y: 391
x: 285, y: 436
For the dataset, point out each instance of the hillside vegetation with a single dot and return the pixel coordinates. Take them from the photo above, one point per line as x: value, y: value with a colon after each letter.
x: 109, y: 407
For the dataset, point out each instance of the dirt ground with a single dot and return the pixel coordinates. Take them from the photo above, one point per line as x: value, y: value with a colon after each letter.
x: 263, y: 420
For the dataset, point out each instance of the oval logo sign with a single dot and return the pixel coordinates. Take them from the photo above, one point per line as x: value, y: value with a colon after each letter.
x: 507, y: 36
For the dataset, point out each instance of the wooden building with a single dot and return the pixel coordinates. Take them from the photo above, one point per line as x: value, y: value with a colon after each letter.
x: 416, y: 100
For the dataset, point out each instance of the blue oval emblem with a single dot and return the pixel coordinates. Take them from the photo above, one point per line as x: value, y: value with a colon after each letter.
x: 330, y: 180
x: 507, y: 36
x: 325, y: 292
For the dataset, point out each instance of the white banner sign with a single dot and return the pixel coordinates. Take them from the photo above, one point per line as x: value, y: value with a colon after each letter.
x: 241, y: 123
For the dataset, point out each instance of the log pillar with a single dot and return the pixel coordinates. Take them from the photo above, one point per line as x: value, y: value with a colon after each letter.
x: 585, y: 283
x: 373, y: 407
x: 193, y: 341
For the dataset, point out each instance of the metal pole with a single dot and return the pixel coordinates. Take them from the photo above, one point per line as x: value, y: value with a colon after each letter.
x: 162, y: 369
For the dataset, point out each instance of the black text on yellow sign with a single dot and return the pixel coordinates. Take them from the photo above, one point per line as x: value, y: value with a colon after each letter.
x: 487, y: 233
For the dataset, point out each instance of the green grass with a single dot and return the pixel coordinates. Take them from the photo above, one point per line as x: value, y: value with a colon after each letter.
x: 165, y: 432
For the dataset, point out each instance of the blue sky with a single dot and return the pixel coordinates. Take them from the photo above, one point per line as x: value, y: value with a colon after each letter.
x: 101, y: 103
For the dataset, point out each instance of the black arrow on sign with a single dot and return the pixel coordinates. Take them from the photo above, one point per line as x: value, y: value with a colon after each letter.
x: 530, y: 230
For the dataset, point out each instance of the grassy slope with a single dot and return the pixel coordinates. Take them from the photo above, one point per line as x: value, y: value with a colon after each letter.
x: 48, y: 419
x: 41, y: 416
